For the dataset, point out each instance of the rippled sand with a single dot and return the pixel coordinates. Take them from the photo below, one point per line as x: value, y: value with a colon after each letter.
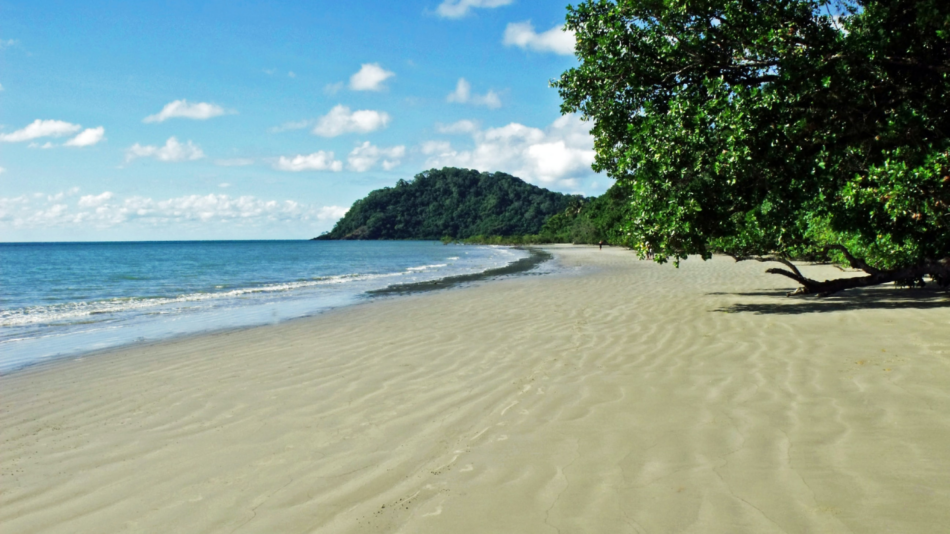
x: 621, y: 396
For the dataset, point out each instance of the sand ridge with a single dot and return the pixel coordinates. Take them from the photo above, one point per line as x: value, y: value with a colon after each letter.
x: 617, y: 396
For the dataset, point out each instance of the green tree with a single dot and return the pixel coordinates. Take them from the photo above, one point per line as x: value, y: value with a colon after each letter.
x: 451, y: 203
x: 774, y: 129
x: 589, y: 220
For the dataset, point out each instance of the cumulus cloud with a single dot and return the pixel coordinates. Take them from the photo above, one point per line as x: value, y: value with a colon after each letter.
x: 458, y: 127
x: 172, y: 151
x: 186, y: 110
x: 318, y: 161
x: 454, y: 9
x: 522, y: 34
x: 463, y: 95
x: 58, y: 197
x: 370, y: 77
x: 557, y: 155
x: 437, y: 148
x: 341, y: 120
x: 2, y: 170
x: 331, y: 213
x: 105, y: 210
x: 234, y: 162
x: 41, y: 128
x: 87, y: 137
x: 93, y: 201
x: 366, y: 156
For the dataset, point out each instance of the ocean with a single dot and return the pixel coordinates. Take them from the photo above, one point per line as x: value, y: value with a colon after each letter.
x: 66, y: 299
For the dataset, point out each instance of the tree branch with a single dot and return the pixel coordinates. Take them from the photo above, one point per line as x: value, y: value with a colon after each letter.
x: 911, y: 62
x: 855, y: 263
x: 783, y: 272
x: 776, y: 258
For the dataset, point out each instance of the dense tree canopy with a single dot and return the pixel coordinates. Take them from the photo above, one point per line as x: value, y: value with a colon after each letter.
x: 453, y: 203
x: 589, y: 220
x: 774, y: 129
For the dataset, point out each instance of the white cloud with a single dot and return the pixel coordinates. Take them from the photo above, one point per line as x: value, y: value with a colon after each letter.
x: 61, y: 195
x: 291, y: 74
x: 93, y: 201
x: 366, y: 156
x: 318, y: 161
x: 558, y: 154
x: 105, y: 210
x: 41, y: 128
x: 172, y: 151
x: 522, y: 34
x: 463, y: 95
x: 458, y: 127
x: 331, y: 213
x: 224, y: 185
x: 88, y: 137
x: 2, y: 170
x: 370, y: 77
x: 1, y: 87
x: 183, y: 109
x: 234, y: 162
x: 453, y: 9
x: 50, y: 128
x: 341, y: 120
x: 437, y: 148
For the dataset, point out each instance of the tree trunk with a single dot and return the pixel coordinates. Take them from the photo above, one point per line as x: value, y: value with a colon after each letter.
x: 938, y: 271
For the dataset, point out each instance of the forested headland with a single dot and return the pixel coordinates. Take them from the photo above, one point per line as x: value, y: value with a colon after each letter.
x: 478, y: 207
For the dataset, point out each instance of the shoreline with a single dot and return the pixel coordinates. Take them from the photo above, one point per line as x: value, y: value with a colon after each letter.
x: 536, y: 257
x: 516, y: 267
x: 616, y: 396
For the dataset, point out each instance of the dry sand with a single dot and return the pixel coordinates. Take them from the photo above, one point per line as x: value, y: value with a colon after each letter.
x: 622, y: 396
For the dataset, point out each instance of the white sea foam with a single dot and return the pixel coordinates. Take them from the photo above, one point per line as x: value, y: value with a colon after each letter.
x: 427, y: 267
x: 70, y: 312
x: 73, y: 311
x: 114, y: 303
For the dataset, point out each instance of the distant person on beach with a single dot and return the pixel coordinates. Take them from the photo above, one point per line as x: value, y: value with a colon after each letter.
x: 601, y: 244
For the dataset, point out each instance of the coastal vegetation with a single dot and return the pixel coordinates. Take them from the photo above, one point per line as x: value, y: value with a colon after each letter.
x: 774, y: 130
x: 585, y: 220
x: 458, y: 204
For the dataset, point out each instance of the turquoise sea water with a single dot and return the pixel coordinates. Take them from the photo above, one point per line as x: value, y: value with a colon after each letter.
x: 62, y: 299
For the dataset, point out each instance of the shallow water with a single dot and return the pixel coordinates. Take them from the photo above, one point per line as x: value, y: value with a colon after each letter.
x: 60, y: 299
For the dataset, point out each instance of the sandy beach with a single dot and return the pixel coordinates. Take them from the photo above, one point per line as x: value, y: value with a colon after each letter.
x: 614, y: 396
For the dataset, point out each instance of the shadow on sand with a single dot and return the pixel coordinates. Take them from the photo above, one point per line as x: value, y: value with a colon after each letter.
x: 879, y: 298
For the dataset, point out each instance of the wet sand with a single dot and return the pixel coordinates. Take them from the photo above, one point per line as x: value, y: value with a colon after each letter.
x: 616, y: 396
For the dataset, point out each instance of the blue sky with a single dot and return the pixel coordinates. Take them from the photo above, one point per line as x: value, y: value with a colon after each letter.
x: 254, y: 120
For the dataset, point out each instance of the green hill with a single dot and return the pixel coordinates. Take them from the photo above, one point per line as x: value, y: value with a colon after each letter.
x: 450, y: 202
